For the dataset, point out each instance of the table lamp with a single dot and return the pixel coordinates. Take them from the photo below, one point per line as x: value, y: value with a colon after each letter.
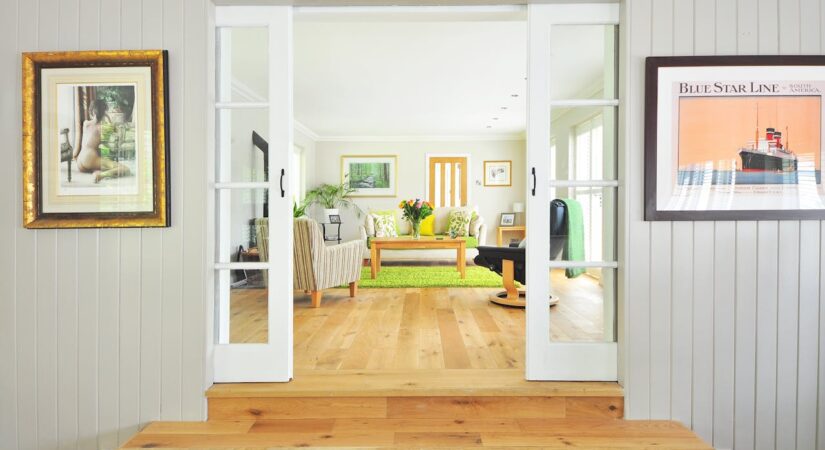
x: 518, y: 208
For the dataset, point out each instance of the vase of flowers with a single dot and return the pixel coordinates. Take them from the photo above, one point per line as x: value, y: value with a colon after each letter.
x: 415, y: 211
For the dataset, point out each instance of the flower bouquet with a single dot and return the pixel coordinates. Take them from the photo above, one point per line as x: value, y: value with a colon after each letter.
x: 415, y: 211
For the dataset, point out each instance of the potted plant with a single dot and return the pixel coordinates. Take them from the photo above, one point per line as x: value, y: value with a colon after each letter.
x: 331, y: 197
x: 415, y: 211
x: 299, y: 210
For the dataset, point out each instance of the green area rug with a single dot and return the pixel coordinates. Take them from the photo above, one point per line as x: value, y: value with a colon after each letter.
x: 429, y: 276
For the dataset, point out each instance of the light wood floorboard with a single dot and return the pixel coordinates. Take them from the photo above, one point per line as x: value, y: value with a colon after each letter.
x: 417, y: 329
x: 547, y: 433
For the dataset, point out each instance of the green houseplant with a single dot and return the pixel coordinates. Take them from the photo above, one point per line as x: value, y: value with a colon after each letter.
x: 299, y: 210
x: 331, y: 197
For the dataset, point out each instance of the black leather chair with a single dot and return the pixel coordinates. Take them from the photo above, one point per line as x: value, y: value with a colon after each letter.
x: 509, y: 262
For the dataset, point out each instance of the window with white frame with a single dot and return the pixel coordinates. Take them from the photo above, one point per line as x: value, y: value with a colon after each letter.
x: 587, y: 162
x: 298, y: 174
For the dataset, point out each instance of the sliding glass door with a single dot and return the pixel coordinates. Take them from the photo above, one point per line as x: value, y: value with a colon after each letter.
x: 572, y: 192
x: 253, y: 152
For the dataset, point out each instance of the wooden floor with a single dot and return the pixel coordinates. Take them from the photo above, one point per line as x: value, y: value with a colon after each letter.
x: 446, y: 432
x: 431, y: 328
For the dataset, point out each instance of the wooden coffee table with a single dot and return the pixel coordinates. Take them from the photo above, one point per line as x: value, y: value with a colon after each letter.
x: 394, y: 243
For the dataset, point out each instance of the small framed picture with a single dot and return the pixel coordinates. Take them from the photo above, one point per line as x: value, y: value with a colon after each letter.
x: 508, y: 219
x: 334, y: 218
x: 497, y: 173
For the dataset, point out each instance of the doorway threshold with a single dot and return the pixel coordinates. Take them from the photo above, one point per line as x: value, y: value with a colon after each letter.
x: 416, y: 383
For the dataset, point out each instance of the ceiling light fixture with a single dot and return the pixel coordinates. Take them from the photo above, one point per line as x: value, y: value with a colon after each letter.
x: 495, y: 118
x: 489, y: 126
x: 503, y: 107
x: 513, y: 95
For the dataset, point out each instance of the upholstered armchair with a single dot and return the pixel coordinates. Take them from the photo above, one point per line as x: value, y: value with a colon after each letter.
x: 318, y: 267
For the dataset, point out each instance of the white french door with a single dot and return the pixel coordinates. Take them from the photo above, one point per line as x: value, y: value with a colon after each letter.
x: 566, y: 43
x: 253, y: 151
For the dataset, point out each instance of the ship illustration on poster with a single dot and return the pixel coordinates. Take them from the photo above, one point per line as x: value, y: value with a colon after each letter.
x: 767, y: 159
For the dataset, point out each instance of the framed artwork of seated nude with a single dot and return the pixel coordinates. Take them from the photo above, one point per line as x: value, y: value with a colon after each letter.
x: 95, y: 139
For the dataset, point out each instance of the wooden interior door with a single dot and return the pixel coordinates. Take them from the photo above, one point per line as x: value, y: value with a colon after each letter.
x: 448, y: 181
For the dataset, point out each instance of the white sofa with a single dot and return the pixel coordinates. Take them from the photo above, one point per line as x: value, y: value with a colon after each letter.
x: 478, y: 231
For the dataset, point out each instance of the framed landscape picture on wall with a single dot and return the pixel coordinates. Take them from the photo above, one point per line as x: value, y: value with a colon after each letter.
x: 734, y: 138
x: 95, y: 139
x: 370, y: 175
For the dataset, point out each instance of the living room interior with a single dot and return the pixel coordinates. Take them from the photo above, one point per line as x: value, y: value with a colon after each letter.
x: 428, y: 111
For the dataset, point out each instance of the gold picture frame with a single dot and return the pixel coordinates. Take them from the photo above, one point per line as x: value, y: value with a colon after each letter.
x: 498, y: 173
x: 95, y: 139
x: 388, y: 175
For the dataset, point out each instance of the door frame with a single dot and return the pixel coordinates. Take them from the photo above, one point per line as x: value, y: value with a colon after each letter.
x: 573, y: 12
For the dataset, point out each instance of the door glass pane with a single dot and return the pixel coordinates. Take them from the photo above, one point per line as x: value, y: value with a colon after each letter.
x: 243, y: 301
x: 240, y: 225
x: 584, y: 307
x: 243, y: 64
x: 596, y: 224
x: 583, y: 143
x: 583, y: 61
x: 243, y: 136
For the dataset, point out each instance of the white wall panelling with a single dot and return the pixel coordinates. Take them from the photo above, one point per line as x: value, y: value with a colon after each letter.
x: 102, y: 331
x: 724, y: 329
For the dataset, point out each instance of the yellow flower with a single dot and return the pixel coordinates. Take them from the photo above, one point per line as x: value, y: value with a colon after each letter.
x: 401, y: 205
x: 411, y: 202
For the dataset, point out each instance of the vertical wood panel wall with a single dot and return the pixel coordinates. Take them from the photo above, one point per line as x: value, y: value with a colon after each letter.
x: 724, y: 329
x: 103, y: 330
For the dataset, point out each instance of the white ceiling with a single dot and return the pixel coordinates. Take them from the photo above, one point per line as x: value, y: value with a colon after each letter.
x: 410, y: 78
x: 433, y: 76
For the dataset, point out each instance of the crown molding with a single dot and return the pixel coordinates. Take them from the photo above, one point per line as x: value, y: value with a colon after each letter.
x: 426, y: 138
x: 306, y: 131
x: 310, y: 133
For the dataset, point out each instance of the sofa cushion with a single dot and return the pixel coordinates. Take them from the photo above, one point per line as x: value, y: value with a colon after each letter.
x: 442, y: 216
x: 458, y: 223
x: 385, y: 225
x: 428, y: 226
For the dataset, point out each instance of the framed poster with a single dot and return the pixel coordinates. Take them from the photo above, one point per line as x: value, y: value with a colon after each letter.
x: 734, y: 137
x: 95, y: 139
x: 370, y: 175
x: 497, y: 173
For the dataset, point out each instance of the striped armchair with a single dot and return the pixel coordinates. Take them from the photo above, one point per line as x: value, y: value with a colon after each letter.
x: 318, y: 267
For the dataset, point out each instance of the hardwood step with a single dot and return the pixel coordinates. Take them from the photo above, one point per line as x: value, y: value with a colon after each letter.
x: 463, y: 407
x: 412, y: 383
x: 424, y: 432
x: 456, y: 394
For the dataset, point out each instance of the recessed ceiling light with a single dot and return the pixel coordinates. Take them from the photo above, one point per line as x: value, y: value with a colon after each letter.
x: 489, y: 126
x: 503, y: 107
x: 495, y: 118
x: 514, y: 95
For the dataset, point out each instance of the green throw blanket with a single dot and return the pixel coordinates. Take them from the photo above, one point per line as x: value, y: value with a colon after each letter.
x: 574, y: 248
